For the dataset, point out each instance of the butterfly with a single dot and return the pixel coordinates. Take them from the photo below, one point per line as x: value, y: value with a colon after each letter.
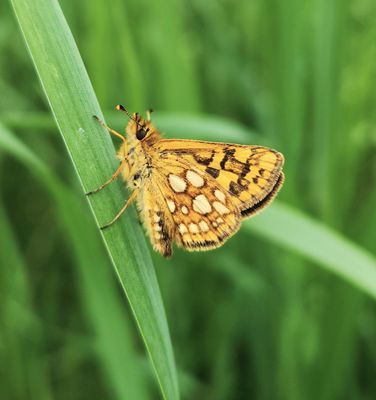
x: 191, y: 192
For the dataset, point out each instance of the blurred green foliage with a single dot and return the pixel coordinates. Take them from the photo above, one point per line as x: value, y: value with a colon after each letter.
x: 252, y: 319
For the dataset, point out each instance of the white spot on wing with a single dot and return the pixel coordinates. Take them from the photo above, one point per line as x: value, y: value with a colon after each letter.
x: 193, y: 228
x: 220, y: 196
x: 221, y: 209
x: 171, y: 205
x: 203, y: 226
x: 184, y: 210
x: 201, y: 204
x: 177, y: 183
x: 195, y: 179
x: 182, y: 229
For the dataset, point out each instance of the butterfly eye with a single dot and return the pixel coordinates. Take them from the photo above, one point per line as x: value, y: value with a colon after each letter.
x: 140, y: 134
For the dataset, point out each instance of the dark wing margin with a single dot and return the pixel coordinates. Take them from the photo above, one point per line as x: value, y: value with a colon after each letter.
x: 251, y: 211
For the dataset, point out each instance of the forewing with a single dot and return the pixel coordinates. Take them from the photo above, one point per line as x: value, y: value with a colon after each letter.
x: 249, y: 175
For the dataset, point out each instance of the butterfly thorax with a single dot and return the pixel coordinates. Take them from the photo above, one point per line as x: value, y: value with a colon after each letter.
x: 138, y: 154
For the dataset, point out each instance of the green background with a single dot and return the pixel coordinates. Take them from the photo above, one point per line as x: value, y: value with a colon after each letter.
x: 285, y: 310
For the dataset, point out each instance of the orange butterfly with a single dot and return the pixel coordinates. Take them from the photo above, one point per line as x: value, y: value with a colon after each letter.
x: 193, y: 192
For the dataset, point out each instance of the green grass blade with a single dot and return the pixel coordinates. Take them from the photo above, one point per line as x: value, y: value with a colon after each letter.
x: 73, y: 103
x: 290, y: 228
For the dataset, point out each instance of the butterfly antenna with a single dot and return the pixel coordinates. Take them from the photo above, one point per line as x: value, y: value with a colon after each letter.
x: 119, y: 107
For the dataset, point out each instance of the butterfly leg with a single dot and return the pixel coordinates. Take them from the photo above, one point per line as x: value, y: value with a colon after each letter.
x: 128, y: 202
x: 113, y: 177
x: 109, y: 129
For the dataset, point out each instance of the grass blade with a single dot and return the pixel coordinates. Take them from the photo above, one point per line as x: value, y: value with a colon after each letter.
x: 73, y: 103
x: 319, y: 243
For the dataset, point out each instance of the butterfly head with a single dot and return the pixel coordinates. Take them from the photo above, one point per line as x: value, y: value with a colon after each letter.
x: 138, y: 142
x: 139, y: 130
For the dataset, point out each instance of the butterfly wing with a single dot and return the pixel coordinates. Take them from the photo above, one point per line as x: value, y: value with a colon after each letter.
x: 199, y: 192
x: 185, y: 205
x: 201, y: 214
x: 250, y: 175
